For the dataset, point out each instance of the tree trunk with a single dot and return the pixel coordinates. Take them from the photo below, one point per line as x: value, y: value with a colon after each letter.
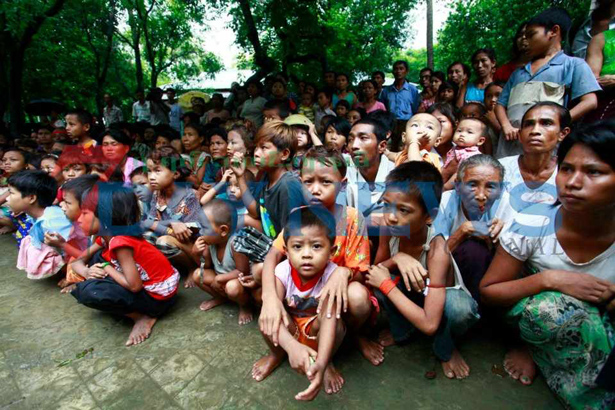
x: 15, y: 90
x: 430, y: 34
x: 265, y: 63
x: 136, y: 48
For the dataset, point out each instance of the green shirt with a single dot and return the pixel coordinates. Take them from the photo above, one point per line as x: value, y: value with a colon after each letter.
x: 608, y: 65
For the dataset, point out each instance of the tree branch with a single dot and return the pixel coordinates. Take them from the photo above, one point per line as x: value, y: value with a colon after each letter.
x: 35, y: 25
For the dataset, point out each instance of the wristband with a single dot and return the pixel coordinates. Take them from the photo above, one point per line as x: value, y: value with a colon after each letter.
x: 387, y: 286
x: 169, y: 231
x: 104, y: 265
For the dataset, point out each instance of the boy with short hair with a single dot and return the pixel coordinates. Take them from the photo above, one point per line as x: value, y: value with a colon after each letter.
x: 311, y: 339
x: 78, y: 126
x: 551, y: 75
x: 423, y: 295
x: 44, y: 138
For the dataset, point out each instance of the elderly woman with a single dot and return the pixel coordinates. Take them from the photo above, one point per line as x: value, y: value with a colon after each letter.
x: 555, y: 271
x: 530, y: 177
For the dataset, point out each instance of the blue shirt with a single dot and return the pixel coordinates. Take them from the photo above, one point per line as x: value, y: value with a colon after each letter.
x: 403, y: 103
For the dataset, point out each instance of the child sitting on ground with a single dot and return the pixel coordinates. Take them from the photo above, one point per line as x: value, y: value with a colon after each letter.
x: 13, y: 161
x: 71, y: 206
x: 72, y: 164
x: 220, y: 264
x: 470, y: 134
x: 141, y: 187
x: 32, y: 193
x: 425, y: 295
x: 311, y: 339
x: 421, y: 137
x: 337, y: 131
x: 137, y: 281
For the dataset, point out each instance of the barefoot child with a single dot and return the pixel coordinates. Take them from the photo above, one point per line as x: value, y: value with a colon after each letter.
x: 311, y: 339
x: 137, y: 281
x: 32, y: 193
x: 323, y: 174
x: 220, y: 264
x: 425, y: 294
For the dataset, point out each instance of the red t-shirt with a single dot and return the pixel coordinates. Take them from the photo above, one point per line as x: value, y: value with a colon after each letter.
x: 160, y: 278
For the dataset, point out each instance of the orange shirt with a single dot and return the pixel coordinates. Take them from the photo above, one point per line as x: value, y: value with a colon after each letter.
x: 429, y: 157
x: 351, y: 241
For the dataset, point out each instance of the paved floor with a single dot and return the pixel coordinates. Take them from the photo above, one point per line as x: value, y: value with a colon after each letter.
x: 55, y: 354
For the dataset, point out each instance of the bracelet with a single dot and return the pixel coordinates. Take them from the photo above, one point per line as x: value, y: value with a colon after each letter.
x: 169, y: 231
x: 436, y: 286
x: 105, y: 264
x: 386, y: 286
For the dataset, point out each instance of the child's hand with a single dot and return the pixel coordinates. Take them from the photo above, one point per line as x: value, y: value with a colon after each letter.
x: 247, y: 281
x: 315, y: 375
x: 180, y: 231
x: 411, y: 270
x: 226, y: 177
x: 376, y: 275
x: 335, y: 292
x: 54, y: 239
x: 511, y: 133
x: 96, y: 272
x: 301, y: 358
x: 495, y: 228
x: 238, y: 164
x: 200, y: 245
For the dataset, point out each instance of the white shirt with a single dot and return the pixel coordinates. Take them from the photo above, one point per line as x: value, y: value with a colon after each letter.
x: 532, y: 238
x: 359, y: 193
x: 141, y: 112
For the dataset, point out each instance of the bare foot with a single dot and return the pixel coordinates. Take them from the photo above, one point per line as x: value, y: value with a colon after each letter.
x: 212, y: 303
x: 265, y: 365
x: 385, y: 338
x: 372, y: 351
x: 245, y: 315
x: 333, y: 380
x: 69, y: 288
x: 456, y: 367
x: 63, y: 283
x: 189, y: 282
x: 141, y: 330
x: 519, y: 365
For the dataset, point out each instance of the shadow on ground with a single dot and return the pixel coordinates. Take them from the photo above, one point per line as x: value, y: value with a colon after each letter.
x: 56, y: 354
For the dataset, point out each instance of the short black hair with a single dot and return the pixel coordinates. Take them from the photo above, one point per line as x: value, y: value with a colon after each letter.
x: 282, y: 107
x: 38, y: 183
x: 386, y: 118
x: 138, y: 171
x: 488, y: 51
x: 221, y: 132
x: 598, y: 136
x: 446, y: 109
x: 328, y: 157
x: 466, y: 68
x: 326, y: 92
x: 119, y: 136
x: 78, y: 186
x: 500, y: 84
x: 82, y: 115
x: 420, y: 180
x: 343, y: 103
x: 551, y: 17
x: 565, y: 120
x: 403, y: 62
x: 25, y: 154
x: 439, y: 75
x: 311, y: 215
x: 168, y: 157
x: 47, y: 127
x: 222, y: 212
x: 378, y: 127
x: 378, y: 72
x: 426, y: 69
x: 360, y: 110
x: 195, y: 126
x: 116, y: 207
x: 340, y: 125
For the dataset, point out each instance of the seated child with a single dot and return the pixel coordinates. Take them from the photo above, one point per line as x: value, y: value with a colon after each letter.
x: 424, y: 294
x: 305, y: 135
x: 13, y: 161
x: 447, y: 93
x: 311, y: 339
x: 141, y: 187
x: 421, y: 137
x: 192, y: 148
x: 220, y: 263
x: 72, y: 164
x: 355, y: 114
x: 275, y: 111
x: 337, y: 131
x: 207, y: 174
x: 48, y: 163
x: 32, y: 193
x: 323, y: 110
x: 306, y: 107
x: 323, y: 174
x: 492, y: 94
x: 173, y: 206
x: 71, y: 206
x: 470, y: 134
x: 136, y: 280
x: 472, y: 109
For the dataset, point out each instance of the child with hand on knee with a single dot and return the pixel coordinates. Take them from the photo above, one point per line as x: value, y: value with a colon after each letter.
x: 221, y: 265
x: 311, y: 339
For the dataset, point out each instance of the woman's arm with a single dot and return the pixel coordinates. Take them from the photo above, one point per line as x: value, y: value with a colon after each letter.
x: 129, y: 278
x: 595, y: 54
x: 461, y: 98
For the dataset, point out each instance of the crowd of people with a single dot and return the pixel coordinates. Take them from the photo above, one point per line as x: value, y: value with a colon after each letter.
x: 486, y: 196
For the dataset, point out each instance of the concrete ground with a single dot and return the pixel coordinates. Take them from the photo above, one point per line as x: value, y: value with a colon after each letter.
x: 56, y: 354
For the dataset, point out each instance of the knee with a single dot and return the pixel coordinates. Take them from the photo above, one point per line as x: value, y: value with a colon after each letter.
x: 460, y: 308
x: 358, y: 298
x: 233, y: 288
x: 167, y: 240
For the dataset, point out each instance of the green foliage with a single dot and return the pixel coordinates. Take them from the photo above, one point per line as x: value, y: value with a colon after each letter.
x: 476, y: 24
x: 307, y: 36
